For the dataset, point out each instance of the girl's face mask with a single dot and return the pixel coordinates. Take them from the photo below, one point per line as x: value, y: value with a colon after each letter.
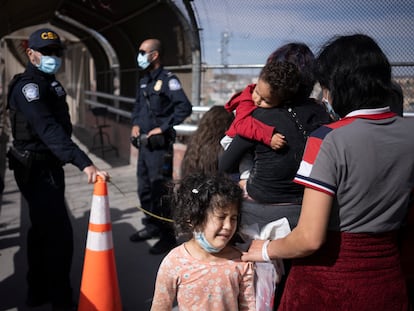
x: 202, y: 241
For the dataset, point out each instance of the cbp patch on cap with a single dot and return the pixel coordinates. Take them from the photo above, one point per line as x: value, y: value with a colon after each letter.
x: 44, y: 37
x: 31, y: 91
x: 174, y: 85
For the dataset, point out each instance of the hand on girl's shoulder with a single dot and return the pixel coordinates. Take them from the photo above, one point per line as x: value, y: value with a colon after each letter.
x: 232, y: 253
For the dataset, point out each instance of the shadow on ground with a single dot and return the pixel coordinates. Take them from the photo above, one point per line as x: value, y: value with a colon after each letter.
x: 136, y: 268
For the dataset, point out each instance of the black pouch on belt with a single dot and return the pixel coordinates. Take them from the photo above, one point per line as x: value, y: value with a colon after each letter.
x: 19, y: 158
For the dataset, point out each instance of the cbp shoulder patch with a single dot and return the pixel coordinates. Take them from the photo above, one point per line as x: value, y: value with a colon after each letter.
x: 31, y: 91
x: 174, y: 85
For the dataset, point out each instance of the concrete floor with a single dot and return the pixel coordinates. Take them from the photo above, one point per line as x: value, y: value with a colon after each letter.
x: 136, y: 268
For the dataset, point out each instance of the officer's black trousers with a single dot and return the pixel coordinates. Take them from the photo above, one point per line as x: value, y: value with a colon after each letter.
x: 50, y: 237
x: 152, y: 180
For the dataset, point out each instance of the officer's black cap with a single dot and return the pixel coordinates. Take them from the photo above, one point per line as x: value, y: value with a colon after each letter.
x: 44, y: 37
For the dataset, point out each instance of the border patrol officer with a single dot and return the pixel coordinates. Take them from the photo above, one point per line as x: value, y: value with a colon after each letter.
x: 160, y: 104
x: 42, y: 129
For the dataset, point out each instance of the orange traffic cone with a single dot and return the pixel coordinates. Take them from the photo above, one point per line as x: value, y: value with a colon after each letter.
x: 99, y: 288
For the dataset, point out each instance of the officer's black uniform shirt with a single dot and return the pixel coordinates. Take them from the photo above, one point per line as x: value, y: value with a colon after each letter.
x: 160, y: 102
x: 40, y: 117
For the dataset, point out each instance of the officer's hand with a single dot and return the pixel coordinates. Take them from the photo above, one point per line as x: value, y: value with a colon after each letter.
x: 92, y: 171
x: 154, y: 131
x: 135, y: 131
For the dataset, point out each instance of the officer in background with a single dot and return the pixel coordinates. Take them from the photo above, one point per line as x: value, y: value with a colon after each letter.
x: 160, y: 104
x: 42, y: 144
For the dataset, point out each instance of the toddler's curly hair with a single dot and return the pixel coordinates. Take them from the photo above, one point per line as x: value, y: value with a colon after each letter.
x: 283, y: 79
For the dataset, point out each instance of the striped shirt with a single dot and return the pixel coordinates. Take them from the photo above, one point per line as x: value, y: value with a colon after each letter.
x: 366, y: 161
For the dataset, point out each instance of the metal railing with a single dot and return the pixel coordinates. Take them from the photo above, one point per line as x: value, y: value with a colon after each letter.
x: 182, y: 129
x: 92, y: 101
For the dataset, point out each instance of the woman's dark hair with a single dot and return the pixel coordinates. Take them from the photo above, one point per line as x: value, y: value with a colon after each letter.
x: 283, y: 78
x: 355, y: 71
x: 300, y: 55
x: 204, y: 148
x: 197, y: 194
x: 396, y: 100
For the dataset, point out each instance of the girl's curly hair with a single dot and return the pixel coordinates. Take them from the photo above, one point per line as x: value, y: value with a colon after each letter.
x: 196, y: 195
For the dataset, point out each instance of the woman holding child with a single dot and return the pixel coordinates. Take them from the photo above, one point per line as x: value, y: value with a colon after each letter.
x: 281, y: 96
x: 359, y: 177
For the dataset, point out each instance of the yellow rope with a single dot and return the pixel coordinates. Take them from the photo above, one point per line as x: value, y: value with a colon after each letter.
x: 153, y: 215
x: 140, y: 207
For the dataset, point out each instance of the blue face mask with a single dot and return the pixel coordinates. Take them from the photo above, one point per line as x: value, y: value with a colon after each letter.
x: 202, y: 241
x: 49, y: 64
x: 142, y: 61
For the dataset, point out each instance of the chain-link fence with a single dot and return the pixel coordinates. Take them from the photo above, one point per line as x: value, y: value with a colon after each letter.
x: 245, y: 32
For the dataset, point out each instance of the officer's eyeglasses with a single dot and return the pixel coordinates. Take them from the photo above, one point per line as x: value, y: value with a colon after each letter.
x: 142, y: 52
x: 51, y: 51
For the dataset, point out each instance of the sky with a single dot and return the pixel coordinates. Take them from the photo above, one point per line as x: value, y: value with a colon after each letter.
x: 255, y: 28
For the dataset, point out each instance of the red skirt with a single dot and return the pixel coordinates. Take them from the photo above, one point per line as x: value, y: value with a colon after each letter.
x: 360, y: 272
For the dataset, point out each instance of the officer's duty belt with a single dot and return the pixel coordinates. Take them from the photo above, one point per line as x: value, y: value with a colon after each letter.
x: 27, y: 157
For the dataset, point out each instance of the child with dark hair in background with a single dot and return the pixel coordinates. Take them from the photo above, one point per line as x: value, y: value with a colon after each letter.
x: 204, y: 149
x: 205, y: 273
